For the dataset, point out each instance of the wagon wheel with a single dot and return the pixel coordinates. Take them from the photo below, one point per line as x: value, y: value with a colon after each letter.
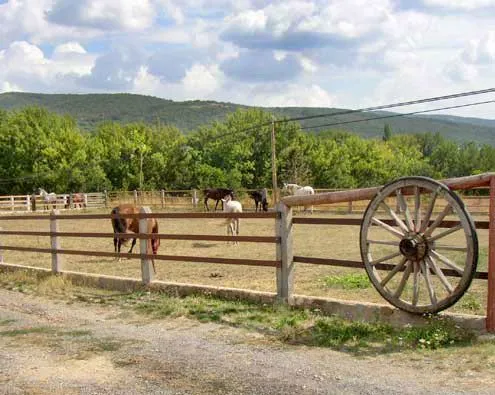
x: 417, y: 250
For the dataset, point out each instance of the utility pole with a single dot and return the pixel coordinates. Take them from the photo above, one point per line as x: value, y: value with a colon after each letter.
x: 274, y: 166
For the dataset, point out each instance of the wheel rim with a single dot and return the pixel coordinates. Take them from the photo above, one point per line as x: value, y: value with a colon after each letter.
x: 402, y: 231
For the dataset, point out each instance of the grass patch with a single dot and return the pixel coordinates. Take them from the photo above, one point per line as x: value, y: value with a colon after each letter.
x: 304, y: 326
x: 348, y: 281
x: 27, y: 331
x: 6, y: 322
x: 470, y: 302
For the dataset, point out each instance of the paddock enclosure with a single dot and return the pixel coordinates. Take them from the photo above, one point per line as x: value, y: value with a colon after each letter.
x: 283, y: 251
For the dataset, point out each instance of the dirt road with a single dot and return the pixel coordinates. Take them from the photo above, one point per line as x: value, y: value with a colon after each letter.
x: 50, y: 347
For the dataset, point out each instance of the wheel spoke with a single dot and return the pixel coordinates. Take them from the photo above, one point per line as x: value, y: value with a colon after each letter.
x: 450, y: 248
x: 415, y: 284
x: 447, y: 262
x: 395, y: 232
x: 405, y: 209
x: 417, y: 206
x: 426, y: 274
x: 403, y: 281
x: 394, y: 271
x: 429, y: 210
x: 396, y: 218
x: 387, y: 243
x: 446, y: 233
x: 386, y: 258
x: 440, y: 274
x: 446, y: 211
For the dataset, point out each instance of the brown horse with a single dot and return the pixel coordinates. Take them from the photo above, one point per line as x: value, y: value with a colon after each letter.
x: 131, y: 225
x: 217, y: 194
x: 78, y: 200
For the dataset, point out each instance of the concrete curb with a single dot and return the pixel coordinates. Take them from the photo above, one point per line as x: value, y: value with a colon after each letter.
x: 352, y: 310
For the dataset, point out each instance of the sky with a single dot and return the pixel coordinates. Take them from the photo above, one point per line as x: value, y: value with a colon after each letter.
x: 315, y: 53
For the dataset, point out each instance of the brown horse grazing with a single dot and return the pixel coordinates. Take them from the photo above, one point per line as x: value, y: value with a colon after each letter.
x: 217, y: 194
x: 131, y: 225
x: 259, y: 198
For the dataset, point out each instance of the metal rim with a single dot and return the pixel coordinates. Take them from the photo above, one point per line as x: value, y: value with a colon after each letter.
x: 408, y: 241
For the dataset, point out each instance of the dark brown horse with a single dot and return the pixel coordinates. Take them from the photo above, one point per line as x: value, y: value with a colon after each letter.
x: 217, y: 194
x: 259, y: 198
x: 131, y: 225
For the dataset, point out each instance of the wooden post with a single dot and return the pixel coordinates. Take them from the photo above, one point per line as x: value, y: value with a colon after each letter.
x: 195, y: 198
x: 71, y: 201
x: 135, y: 197
x: 12, y: 203
x: 285, y: 273
x: 490, y: 306
x: 55, y: 242
x: 145, y: 248
x: 85, y: 205
x: 162, y: 197
x: 28, y: 203
x: 349, y: 207
x: 274, y: 167
x: 105, y: 196
x: 33, y: 202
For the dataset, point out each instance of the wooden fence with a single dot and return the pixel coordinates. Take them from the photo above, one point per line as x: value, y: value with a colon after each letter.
x: 283, y: 239
x: 190, y: 200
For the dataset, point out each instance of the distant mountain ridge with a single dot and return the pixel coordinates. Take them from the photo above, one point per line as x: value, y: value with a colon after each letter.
x: 91, y: 109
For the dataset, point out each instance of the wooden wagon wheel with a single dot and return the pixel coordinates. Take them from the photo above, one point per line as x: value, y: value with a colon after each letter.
x: 408, y: 239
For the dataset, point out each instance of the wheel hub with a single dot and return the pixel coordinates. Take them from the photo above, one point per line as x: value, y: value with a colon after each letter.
x: 413, y: 246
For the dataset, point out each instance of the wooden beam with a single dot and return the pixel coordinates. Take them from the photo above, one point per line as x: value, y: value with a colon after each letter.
x: 490, y: 306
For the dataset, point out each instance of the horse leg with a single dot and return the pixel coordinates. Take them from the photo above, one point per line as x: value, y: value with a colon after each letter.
x: 206, y: 204
x: 216, y: 205
x: 132, y: 245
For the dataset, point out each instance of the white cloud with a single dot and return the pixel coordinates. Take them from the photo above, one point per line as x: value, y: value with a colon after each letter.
x: 291, y: 95
x: 465, y: 5
x: 69, y: 47
x: 481, y: 51
x: 103, y: 14
x: 26, y: 68
x: 201, y: 81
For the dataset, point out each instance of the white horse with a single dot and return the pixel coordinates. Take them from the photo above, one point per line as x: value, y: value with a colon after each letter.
x: 294, y: 189
x: 232, y: 206
x: 50, y: 199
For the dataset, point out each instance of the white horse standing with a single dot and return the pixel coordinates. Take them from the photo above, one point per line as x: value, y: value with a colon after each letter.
x: 294, y: 189
x: 50, y: 199
x: 233, y: 224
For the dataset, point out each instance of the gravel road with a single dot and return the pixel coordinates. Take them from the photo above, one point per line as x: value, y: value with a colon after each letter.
x: 57, y: 347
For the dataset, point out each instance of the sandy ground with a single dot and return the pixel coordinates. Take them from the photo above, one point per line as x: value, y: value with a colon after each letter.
x: 66, y: 347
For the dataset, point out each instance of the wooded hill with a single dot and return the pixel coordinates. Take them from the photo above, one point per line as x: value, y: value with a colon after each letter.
x: 91, y: 109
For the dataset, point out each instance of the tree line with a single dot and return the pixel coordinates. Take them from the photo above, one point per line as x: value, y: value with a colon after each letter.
x: 39, y: 148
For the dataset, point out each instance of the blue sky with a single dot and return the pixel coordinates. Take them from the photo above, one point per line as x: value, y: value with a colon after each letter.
x: 346, y: 54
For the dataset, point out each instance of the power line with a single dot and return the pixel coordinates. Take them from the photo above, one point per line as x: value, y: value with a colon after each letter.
x: 393, y: 105
x: 398, y: 115
x: 366, y: 109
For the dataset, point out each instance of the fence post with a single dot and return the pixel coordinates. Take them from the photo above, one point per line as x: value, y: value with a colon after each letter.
x: 55, y: 242
x: 285, y: 273
x: 490, y: 307
x: 162, y: 197
x: 105, y: 197
x: 85, y: 204
x: 33, y: 202
x: 349, y: 207
x: 71, y: 201
x: 12, y: 201
x: 195, y: 198
x: 145, y: 248
x: 135, y: 197
x: 28, y: 203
